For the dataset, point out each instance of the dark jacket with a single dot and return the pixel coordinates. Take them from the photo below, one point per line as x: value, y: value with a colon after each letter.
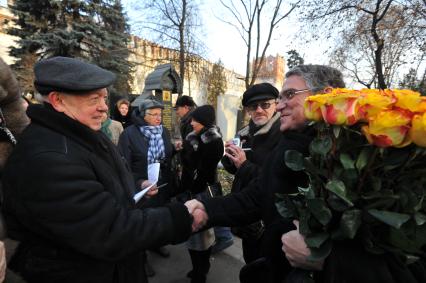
x: 257, y: 201
x: 125, y: 121
x: 202, y: 152
x: 261, y: 141
x: 133, y: 145
x: 185, y: 126
x: 68, y: 199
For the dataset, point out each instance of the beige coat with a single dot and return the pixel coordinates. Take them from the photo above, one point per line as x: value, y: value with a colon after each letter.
x: 116, y: 129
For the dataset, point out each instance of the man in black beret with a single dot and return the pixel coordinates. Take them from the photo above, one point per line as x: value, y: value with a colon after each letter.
x: 68, y: 196
x: 257, y: 139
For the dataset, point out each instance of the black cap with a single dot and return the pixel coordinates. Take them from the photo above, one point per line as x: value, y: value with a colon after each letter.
x: 204, y: 115
x: 185, y: 100
x: 257, y: 92
x: 70, y: 75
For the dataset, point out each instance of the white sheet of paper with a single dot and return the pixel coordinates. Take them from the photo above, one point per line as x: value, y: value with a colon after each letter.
x: 139, y: 195
x: 153, y: 173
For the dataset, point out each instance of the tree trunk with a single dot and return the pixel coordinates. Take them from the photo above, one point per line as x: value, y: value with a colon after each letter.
x: 182, y: 48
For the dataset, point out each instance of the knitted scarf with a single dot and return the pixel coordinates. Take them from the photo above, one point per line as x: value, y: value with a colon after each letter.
x: 156, y: 150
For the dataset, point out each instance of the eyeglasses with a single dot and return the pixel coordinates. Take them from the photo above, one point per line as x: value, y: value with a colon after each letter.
x: 264, y: 105
x: 290, y: 93
x: 154, y: 115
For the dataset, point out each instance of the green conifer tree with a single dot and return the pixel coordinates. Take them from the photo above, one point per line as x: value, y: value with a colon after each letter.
x: 95, y: 30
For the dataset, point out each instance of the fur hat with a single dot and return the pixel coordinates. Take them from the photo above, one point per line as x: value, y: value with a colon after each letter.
x: 12, y: 112
x: 258, y: 92
x: 204, y: 115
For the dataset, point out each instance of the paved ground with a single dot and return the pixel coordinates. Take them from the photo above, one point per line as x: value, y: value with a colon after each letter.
x: 225, y: 266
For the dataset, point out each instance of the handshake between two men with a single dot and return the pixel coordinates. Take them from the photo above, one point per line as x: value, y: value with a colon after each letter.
x: 293, y: 242
x: 199, y: 214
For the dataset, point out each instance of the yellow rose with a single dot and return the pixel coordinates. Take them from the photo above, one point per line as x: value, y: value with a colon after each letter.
x: 337, y: 107
x: 372, y: 101
x: 408, y: 99
x: 389, y: 128
x: 418, y: 129
x: 312, y: 110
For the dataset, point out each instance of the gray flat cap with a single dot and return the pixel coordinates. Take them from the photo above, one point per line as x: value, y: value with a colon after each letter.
x: 70, y: 75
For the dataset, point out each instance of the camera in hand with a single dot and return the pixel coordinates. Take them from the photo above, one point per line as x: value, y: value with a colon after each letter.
x: 236, y: 141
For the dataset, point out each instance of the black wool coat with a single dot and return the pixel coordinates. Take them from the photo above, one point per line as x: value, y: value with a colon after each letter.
x: 133, y: 146
x: 68, y: 198
x: 202, y: 152
x: 347, y: 263
x: 185, y: 126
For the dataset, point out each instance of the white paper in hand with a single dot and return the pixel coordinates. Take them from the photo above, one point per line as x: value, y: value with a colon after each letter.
x: 153, y: 174
x: 139, y: 195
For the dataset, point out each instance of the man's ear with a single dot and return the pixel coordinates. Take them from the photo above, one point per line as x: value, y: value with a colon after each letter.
x: 328, y: 89
x: 56, y: 99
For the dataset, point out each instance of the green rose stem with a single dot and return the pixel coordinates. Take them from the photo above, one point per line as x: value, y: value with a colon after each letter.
x: 367, y: 169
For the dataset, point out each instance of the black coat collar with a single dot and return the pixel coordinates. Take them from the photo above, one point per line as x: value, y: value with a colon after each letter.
x: 61, y: 123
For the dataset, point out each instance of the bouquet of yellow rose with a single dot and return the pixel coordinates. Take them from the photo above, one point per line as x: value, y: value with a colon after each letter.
x: 367, y: 172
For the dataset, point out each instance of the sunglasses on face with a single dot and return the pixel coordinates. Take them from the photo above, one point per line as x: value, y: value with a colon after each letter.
x: 264, y: 105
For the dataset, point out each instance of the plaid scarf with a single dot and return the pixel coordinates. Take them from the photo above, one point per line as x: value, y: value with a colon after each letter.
x: 156, y: 150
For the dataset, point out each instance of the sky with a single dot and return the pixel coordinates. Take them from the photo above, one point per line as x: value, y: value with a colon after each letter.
x: 224, y: 42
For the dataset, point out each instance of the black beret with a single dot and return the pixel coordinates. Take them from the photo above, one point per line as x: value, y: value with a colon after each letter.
x: 204, y: 115
x: 259, y: 92
x: 70, y: 75
x: 185, y: 100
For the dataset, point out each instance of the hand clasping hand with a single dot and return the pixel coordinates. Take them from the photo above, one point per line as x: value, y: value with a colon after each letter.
x: 199, y: 214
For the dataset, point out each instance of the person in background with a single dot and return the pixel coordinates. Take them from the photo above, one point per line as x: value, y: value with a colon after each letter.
x: 257, y: 139
x: 68, y: 196
x: 13, y: 121
x: 203, y: 149
x: 184, y: 107
x: 111, y: 128
x: 145, y: 142
x: 123, y: 113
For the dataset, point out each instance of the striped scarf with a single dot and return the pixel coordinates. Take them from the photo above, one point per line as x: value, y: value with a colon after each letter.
x: 156, y: 150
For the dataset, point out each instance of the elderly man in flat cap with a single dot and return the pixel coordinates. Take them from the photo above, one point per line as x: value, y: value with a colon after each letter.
x: 68, y: 196
x: 257, y: 139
